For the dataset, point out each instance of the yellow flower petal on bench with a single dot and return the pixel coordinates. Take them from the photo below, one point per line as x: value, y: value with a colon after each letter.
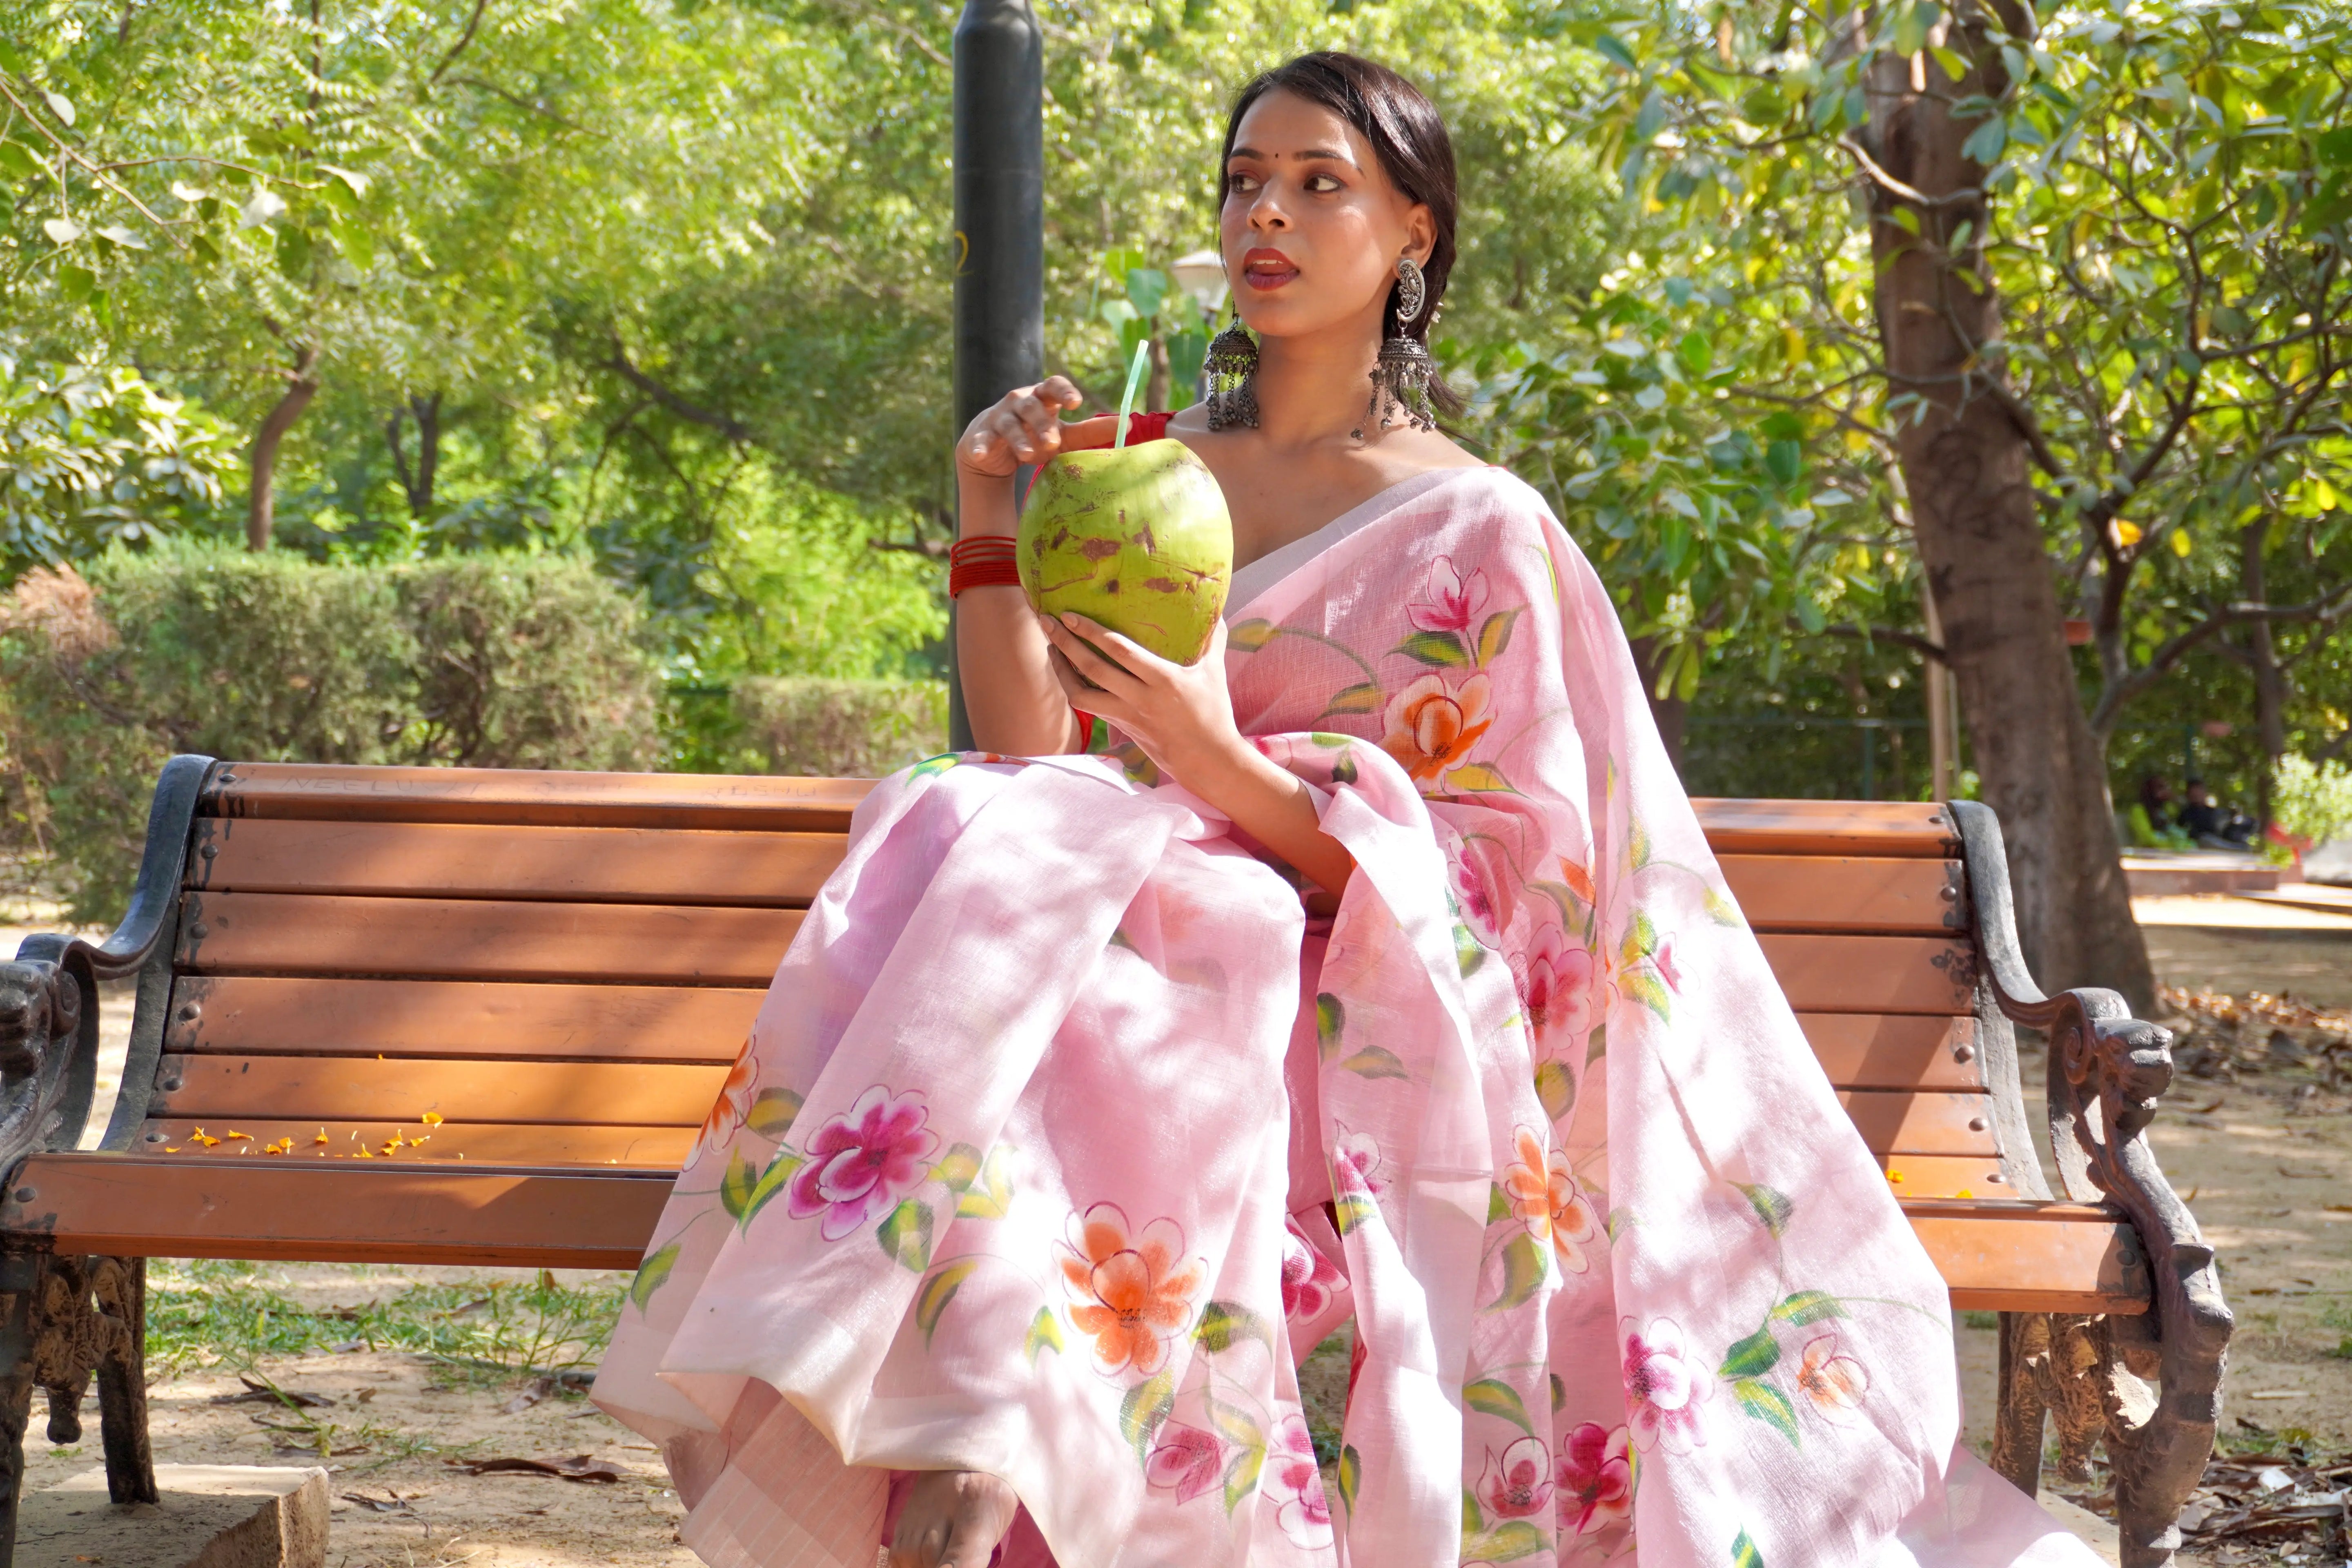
x: 1894, y: 1175
x: 431, y: 1119
x: 321, y: 1138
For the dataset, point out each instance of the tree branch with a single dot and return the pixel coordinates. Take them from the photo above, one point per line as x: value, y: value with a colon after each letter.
x: 458, y: 48
x: 726, y: 425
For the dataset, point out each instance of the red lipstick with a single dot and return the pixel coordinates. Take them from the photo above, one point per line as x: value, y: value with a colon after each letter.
x: 1265, y: 268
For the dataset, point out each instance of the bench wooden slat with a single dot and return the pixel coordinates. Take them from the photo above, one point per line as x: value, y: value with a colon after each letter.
x: 528, y: 798
x: 1894, y: 1122
x: 1945, y: 1177
x: 482, y: 939
x: 305, y: 1016
x: 2076, y: 1259
x: 662, y: 1149
x: 1909, y: 829
x: 1873, y: 974
x: 626, y: 865
x: 1880, y: 1051
x: 1846, y: 893
x: 300, y: 1089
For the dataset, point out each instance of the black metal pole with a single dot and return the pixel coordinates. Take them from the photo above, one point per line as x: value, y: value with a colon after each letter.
x: 1000, y: 227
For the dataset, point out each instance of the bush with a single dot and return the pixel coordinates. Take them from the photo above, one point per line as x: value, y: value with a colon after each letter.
x: 814, y: 727
x: 2312, y: 800
x: 493, y: 661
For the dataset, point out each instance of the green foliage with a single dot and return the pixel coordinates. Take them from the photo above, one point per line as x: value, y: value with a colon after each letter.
x: 490, y: 660
x: 844, y: 729
x: 2312, y: 800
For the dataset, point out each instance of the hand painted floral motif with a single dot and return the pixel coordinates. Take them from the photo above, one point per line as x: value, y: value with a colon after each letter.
x: 1574, y: 1226
x: 1356, y: 1162
x: 1834, y: 1383
x: 1526, y: 1183
x: 1188, y: 1461
x: 733, y: 1105
x: 861, y: 1163
x: 1483, y: 885
x: 1451, y: 602
x: 1667, y: 970
x: 1132, y: 1291
x: 1431, y: 726
x: 1665, y: 1391
x: 1593, y: 1483
x: 1518, y: 1482
x: 1292, y: 1480
x: 1555, y: 983
x: 1309, y: 1279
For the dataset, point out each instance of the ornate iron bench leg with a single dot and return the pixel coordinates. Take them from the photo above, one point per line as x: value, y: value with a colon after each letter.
x: 93, y: 1320
x: 20, y: 1285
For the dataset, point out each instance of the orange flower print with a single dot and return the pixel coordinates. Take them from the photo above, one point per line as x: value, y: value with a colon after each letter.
x: 734, y: 1104
x: 1527, y: 1185
x: 1834, y: 1383
x: 1432, y: 726
x: 1132, y: 1291
x: 1543, y: 1195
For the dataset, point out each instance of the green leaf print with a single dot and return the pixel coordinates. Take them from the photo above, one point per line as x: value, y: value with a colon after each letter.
x: 1558, y: 1393
x: 1498, y: 1203
x: 1044, y: 1334
x: 906, y: 1235
x: 1222, y: 1324
x: 1744, y: 1554
x: 1248, y: 637
x: 1351, y: 1478
x: 652, y: 1274
x: 1809, y: 1306
x: 1466, y: 951
x: 1770, y: 1405
x: 1474, y: 1517
x: 931, y: 765
x: 1722, y: 910
x: 1242, y: 1435
x: 772, y: 1113
x: 780, y: 1171
x: 1354, y: 1209
x: 957, y: 1167
x: 1375, y: 1061
x: 736, y: 1186
x: 1507, y: 1542
x: 1523, y: 1271
x: 1759, y: 1353
x: 1495, y: 635
x: 990, y: 1196
x: 1474, y: 778
x: 1499, y: 1398
x: 1364, y: 697
x: 1330, y: 1018
x: 1556, y: 1087
x: 1440, y: 648
x: 1773, y: 1206
x: 1147, y: 1406
x: 938, y: 1291
x: 1343, y: 769
x: 1649, y: 991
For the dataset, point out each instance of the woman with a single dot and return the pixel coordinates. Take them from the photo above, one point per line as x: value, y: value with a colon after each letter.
x: 1378, y: 961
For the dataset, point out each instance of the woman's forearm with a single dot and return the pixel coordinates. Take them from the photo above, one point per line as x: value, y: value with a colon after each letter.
x: 1274, y: 807
x: 1016, y: 706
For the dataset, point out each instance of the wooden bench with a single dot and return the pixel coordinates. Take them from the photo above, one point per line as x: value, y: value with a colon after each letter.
x: 473, y: 1017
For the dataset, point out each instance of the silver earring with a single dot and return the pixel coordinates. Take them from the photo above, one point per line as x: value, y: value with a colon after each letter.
x: 1401, y: 374
x: 1231, y: 366
x: 1411, y: 291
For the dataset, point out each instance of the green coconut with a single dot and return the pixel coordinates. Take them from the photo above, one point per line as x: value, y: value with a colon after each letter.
x: 1136, y: 538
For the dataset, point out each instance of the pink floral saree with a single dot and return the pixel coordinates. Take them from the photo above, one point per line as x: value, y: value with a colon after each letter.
x: 1064, y: 1127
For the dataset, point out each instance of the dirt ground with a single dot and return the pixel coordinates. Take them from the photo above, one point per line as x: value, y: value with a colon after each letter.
x: 2263, y: 1153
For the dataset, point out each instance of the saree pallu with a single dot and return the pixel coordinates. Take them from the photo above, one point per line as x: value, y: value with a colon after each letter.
x: 1009, y: 1177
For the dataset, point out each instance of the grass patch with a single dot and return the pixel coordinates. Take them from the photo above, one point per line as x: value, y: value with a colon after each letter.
x: 1980, y: 1319
x: 203, y: 1313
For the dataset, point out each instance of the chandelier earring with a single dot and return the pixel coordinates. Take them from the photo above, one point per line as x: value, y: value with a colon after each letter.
x: 1232, y: 366
x: 1401, y: 374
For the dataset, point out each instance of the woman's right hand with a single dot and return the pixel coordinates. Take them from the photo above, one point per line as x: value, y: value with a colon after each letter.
x: 1025, y: 426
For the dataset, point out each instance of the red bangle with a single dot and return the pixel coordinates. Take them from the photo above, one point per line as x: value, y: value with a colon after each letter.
x: 983, y: 562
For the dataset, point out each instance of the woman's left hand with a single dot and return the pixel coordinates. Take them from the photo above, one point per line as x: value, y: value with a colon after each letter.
x: 1179, y: 714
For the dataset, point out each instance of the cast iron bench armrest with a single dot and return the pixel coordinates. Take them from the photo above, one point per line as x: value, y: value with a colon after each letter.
x: 2106, y: 1070
x: 49, y: 996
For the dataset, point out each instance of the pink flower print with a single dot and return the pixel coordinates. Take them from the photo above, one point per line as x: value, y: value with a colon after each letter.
x: 1664, y: 1388
x: 1290, y: 1477
x: 1555, y: 983
x: 1452, y: 602
x: 1573, y: 1223
x: 1665, y: 958
x: 1594, y: 1481
x: 1188, y: 1461
x: 1484, y: 886
x: 1307, y: 1280
x: 1430, y: 726
x: 733, y: 1105
x: 1132, y: 1291
x: 1517, y: 1484
x: 1355, y: 1162
x: 1834, y: 1383
x: 861, y: 1163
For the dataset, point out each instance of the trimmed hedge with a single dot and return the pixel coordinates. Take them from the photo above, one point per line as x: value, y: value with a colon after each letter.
x: 813, y: 727
x: 482, y: 660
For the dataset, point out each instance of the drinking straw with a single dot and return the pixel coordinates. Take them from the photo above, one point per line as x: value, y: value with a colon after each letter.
x: 1134, y: 382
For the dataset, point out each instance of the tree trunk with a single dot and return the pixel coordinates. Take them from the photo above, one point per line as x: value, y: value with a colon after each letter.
x: 1979, y: 533
x: 261, y: 499
x: 418, y: 485
x: 2262, y: 655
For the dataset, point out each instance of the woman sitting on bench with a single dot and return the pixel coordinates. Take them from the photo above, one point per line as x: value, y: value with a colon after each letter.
x: 1373, y: 967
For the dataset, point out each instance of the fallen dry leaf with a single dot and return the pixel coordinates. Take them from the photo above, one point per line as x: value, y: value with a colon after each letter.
x: 579, y: 1468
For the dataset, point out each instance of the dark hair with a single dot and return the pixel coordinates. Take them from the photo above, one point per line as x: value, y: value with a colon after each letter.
x: 1407, y: 136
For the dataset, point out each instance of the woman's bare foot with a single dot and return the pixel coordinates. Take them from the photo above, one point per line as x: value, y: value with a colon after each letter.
x: 953, y: 1519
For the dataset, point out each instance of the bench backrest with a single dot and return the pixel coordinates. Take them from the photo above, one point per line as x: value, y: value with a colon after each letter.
x: 555, y: 969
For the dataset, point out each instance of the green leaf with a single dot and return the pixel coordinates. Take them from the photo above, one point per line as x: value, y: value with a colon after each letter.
x: 1556, y: 1087
x: 1330, y: 1018
x: 1147, y: 1406
x: 1744, y: 1554
x: 1985, y: 142
x: 1248, y: 637
x: 1956, y: 65
x: 1044, y: 1334
x: 1467, y: 954
x: 1363, y: 697
x: 1558, y: 1393
x: 781, y: 1169
x: 735, y: 1188
x: 906, y: 1235
x: 1773, y: 1206
x: 1474, y: 777
x: 1759, y: 1352
x: 1770, y: 1405
x: 59, y: 105
x: 1241, y: 1473
x: 938, y: 1291
x: 1507, y: 1542
x: 1648, y: 990
x: 990, y: 1197
x: 1429, y: 647
x: 1911, y: 27
x: 2334, y: 146
x: 1224, y: 1322
x: 1495, y: 635
x: 1608, y: 45
x: 1499, y: 1398
x: 1696, y: 352
x: 959, y: 1168
x: 1353, y: 1209
x: 1524, y: 1269
x: 1375, y: 1061
x: 771, y: 1115
x: 17, y: 162
x: 1498, y: 1204
x: 1351, y: 1477
x: 61, y: 230
x: 1809, y: 1306
x: 652, y: 1274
